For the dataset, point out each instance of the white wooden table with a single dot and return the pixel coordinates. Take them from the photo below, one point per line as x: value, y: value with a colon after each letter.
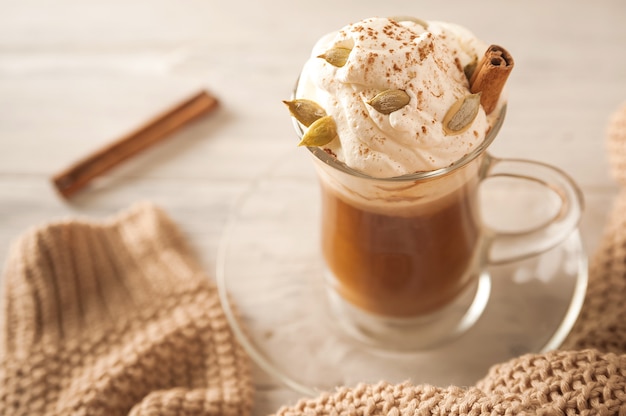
x: 76, y: 74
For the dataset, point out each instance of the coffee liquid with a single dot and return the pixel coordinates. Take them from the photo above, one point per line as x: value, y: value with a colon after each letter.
x: 401, y: 266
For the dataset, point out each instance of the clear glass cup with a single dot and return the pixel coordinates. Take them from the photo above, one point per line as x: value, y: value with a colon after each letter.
x: 405, y: 256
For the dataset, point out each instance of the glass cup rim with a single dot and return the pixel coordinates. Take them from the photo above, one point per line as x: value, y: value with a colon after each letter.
x: 341, y: 166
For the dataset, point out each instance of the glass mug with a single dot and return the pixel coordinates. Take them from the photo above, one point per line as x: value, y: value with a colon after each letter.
x: 405, y: 257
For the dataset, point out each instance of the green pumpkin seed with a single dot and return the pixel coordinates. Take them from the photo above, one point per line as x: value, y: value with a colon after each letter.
x: 336, y: 56
x: 320, y: 133
x: 305, y: 111
x: 461, y: 114
x: 389, y: 101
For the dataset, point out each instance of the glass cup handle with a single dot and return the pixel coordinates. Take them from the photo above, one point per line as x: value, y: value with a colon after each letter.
x: 507, y: 247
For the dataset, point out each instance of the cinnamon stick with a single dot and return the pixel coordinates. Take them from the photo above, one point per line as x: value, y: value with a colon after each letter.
x: 77, y: 176
x: 490, y: 76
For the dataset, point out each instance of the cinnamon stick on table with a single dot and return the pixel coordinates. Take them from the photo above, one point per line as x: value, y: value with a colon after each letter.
x: 490, y: 76
x: 77, y: 176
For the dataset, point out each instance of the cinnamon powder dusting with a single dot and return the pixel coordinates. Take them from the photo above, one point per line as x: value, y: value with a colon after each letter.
x: 458, y: 64
x: 426, y: 49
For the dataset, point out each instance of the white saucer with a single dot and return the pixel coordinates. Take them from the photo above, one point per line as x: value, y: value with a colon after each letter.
x: 269, y: 263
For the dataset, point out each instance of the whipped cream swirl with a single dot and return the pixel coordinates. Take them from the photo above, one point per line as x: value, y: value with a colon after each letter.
x: 427, y: 63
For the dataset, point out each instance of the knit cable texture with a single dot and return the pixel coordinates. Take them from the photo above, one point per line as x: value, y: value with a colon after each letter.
x: 115, y: 318
x: 587, y: 376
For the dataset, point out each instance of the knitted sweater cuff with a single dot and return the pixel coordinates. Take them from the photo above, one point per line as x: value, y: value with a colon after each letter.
x: 115, y: 317
x: 66, y: 277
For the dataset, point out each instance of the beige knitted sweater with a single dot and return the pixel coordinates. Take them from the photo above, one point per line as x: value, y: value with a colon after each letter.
x: 117, y: 318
